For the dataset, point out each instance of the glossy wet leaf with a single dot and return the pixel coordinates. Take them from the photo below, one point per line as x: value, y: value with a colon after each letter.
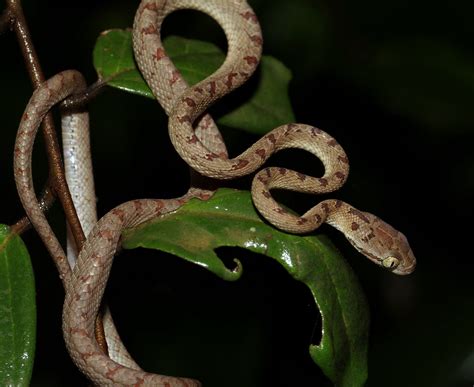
x: 264, y: 107
x: 229, y: 219
x: 114, y: 63
x: 17, y: 311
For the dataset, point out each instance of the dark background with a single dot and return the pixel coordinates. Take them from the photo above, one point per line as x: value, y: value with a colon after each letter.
x: 393, y: 82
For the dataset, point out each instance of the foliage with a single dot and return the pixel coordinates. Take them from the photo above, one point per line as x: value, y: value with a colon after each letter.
x: 17, y: 311
x: 229, y: 218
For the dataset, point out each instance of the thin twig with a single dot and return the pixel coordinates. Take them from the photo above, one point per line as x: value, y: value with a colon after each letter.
x: 56, y: 170
x: 45, y: 201
x: 13, y: 17
x: 79, y: 100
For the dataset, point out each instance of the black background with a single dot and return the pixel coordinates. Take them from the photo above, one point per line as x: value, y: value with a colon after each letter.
x: 392, y: 81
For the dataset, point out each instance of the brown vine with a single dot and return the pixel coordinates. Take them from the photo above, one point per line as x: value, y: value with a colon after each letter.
x: 13, y: 18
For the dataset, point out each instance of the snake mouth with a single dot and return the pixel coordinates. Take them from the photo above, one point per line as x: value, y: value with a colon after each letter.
x: 405, y: 270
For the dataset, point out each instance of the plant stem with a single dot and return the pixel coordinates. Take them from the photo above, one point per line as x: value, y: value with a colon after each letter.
x: 14, y: 17
x: 56, y: 170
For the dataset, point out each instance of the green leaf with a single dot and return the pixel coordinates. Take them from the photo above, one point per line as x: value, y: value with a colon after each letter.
x: 114, y: 63
x: 194, y: 59
x: 267, y: 106
x: 228, y: 219
x: 17, y: 311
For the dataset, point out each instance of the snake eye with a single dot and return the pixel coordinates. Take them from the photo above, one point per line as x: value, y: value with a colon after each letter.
x: 390, y: 263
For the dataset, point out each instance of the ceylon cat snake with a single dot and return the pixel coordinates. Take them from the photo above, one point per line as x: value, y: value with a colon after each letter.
x: 198, y: 141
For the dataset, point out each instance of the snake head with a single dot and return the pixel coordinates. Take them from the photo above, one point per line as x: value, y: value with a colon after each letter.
x: 384, y: 245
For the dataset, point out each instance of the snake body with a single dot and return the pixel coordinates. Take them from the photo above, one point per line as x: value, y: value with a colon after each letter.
x: 369, y: 234
x: 86, y: 283
x: 90, y: 276
x: 197, y: 139
x: 78, y: 171
x: 80, y: 179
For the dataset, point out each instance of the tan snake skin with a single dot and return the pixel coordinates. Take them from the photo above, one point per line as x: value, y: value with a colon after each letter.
x: 369, y: 235
x: 204, y: 150
x: 80, y: 180
x: 85, y: 286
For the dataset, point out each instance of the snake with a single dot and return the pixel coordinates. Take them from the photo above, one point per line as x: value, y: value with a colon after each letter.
x: 198, y: 141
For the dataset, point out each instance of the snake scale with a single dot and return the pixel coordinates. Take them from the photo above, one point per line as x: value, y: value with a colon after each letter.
x: 199, y: 142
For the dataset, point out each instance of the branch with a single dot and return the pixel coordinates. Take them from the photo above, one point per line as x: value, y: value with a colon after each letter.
x: 45, y: 202
x: 14, y: 18
x: 79, y: 100
x: 56, y: 171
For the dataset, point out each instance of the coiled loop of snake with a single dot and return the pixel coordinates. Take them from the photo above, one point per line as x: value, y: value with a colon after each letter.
x: 370, y: 235
x: 205, y: 151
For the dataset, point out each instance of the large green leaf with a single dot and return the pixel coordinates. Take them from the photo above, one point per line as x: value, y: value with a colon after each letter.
x: 229, y: 219
x: 17, y: 311
x: 267, y: 107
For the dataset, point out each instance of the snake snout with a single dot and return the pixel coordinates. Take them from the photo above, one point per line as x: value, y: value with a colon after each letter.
x: 406, y: 269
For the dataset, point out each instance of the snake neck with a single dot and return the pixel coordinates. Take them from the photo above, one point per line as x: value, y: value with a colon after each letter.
x: 345, y: 218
